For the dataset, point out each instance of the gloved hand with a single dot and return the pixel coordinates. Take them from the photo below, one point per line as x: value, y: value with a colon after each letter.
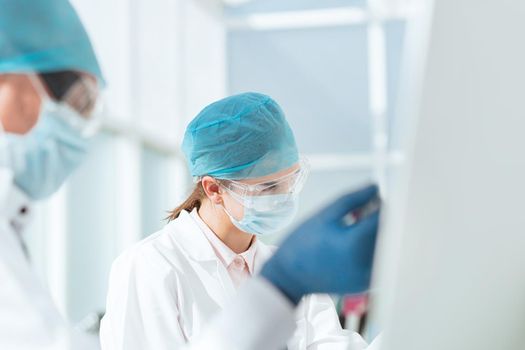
x: 323, y: 255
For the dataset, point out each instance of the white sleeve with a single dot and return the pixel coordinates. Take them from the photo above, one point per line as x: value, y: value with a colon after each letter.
x: 320, y: 329
x: 141, y: 311
x: 28, y: 316
x: 268, y: 321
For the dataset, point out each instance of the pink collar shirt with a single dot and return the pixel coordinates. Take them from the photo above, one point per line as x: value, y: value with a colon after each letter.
x: 239, y: 266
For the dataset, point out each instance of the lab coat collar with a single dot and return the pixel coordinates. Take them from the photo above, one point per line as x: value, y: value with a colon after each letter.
x: 224, y: 253
x: 263, y: 253
x: 249, y: 255
x: 187, y: 233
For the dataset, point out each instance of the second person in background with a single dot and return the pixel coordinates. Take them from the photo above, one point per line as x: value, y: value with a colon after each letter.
x: 248, y: 172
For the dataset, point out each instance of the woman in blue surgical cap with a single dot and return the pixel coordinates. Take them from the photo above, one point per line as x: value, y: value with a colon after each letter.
x: 164, y: 290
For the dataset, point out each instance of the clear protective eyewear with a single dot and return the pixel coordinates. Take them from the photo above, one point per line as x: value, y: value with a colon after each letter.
x: 72, y: 95
x: 74, y: 89
x: 270, y: 194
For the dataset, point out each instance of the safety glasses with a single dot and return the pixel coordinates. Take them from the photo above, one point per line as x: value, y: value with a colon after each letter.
x: 71, y: 88
x: 269, y: 194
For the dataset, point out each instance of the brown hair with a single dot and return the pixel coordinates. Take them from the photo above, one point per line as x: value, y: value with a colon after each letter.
x: 193, y: 201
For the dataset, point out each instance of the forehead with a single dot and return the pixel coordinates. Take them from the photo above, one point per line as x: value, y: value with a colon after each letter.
x: 273, y: 176
x: 14, y: 79
x: 19, y: 82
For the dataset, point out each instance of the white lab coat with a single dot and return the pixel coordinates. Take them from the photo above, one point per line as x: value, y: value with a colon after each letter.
x: 29, y: 319
x: 166, y: 289
x: 28, y: 316
x: 268, y: 332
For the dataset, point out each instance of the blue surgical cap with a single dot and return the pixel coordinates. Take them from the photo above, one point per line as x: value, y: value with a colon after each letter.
x: 240, y: 137
x: 44, y: 36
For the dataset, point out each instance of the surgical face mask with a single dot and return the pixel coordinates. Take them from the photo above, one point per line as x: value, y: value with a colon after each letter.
x: 43, y: 158
x: 46, y: 156
x: 269, y: 207
x: 263, y: 222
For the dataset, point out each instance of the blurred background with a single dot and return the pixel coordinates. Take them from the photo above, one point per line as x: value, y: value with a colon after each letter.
x: 333, y: 65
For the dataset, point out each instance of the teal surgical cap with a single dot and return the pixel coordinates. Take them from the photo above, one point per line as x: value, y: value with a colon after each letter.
x: 44, y: 36
x: 240, y: 137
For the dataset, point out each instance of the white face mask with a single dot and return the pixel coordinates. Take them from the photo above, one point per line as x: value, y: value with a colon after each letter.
x: 57, y: 149
x: 268, y: 221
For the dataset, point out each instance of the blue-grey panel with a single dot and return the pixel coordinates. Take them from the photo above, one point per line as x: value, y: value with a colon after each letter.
x: 152, y: 182
x: 91, y: 231
x: 256, y: 6
x: 319, y: 76
x: 395, y: 34
x: 154, y: 195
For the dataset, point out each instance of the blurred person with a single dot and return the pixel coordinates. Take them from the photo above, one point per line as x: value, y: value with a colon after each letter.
x: 49, y: 83
x: 248, y: 172
x: 49, y: 86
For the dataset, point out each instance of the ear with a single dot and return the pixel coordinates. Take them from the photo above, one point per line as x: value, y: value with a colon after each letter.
x: 212, y: 189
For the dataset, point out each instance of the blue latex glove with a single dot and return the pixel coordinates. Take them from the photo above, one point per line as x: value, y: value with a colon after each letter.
x: 325, y: 256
